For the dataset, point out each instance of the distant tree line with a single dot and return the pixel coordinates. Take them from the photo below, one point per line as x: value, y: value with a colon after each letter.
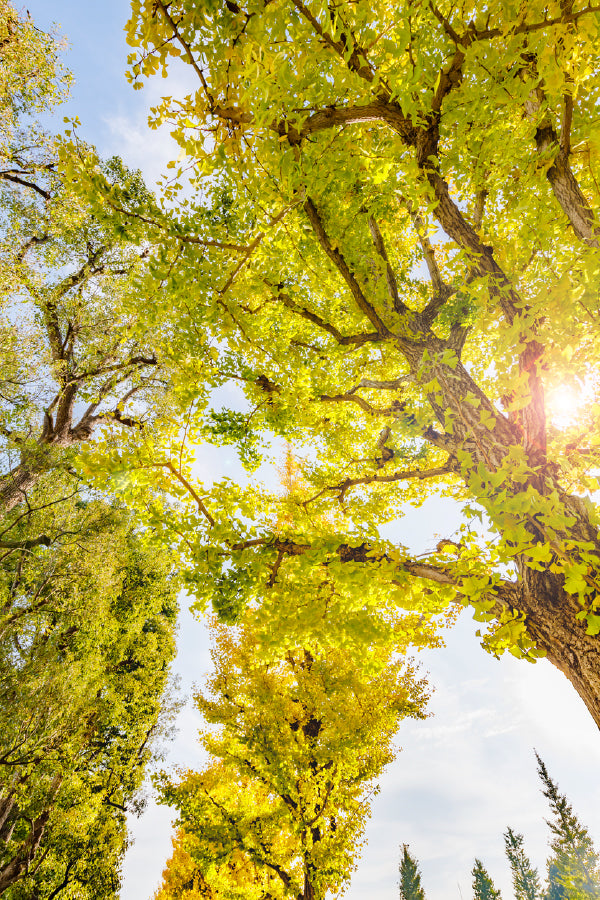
x: 572, y: 869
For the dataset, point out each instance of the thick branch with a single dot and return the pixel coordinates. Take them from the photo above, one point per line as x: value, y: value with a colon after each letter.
x: 356, y: 59
x: 135, y: 361
x: 394, y: 410
x: 42, y: 541
x: 17, y: 179
x: 566, y: 188
x: 406, y: 475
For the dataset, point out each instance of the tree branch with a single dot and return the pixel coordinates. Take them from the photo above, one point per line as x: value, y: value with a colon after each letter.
x: 17, y: 179
x: 356, y: 339
x: 183, y: 481
x: 338, y: 260
x: 392, y: 285
x: 394, y: 410
x: 406, y: 475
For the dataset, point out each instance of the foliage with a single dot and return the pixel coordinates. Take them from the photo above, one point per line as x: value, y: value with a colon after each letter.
x: 86, y: 639
x: 296, y: 745
x: 483, y: 886
x: 32, y: 81
x: 394, y: 252
x: 74, y: 355
x: 410, y: 877
x: 526, y: 882
x: 574, y: 867
x: 83, y: 359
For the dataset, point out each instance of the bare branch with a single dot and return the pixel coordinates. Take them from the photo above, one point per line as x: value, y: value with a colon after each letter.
x: 441, y: 291
x: 17, y: 179
x: 186, y: 49
x: 42, y: 541
x: 392, y: 385
x: 135, y: 361
x: 479, y: 207
x: 356, y: 60
x: 406, y: 475
x: 32, y: 242
x: 394, y: 410
x: 251, y: 248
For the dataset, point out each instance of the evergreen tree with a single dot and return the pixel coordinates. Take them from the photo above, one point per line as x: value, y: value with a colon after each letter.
x: 525, y: 878
x: 555, y: 891
x: 410, y: 877
x: 483, y: 886
x: 574, y: 868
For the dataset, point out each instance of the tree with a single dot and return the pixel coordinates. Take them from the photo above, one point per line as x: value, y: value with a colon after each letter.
x: 32, y: 81
x: 410, y: 877
x: 300, y: 742
x: 77, y: 354
x: 396, y: 251
x: 574, y: 867
x: 74, y: 354
x: 573, y: 872
x: 86, y: 639
x: 526, y: 882
x: 483, y: 886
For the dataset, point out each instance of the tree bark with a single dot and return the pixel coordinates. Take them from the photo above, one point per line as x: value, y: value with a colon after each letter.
x: 18, y: 865
x: 550, y: 616
x: 15, y: 486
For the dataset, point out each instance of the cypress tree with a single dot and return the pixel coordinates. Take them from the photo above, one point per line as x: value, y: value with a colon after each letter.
x: 555, y: 891
x: 483, y: 886
x: 410, y: 877
x: 525, y: 878
x: 574, y: 866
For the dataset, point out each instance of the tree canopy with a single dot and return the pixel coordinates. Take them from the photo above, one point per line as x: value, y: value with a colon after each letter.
x: 296, y: 747
x: 393, y: 249
x: 87, y: 603
x: 86, y: 640
x: 382, y: 230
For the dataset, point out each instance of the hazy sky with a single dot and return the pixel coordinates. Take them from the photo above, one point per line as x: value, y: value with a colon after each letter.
x: 468, y: 771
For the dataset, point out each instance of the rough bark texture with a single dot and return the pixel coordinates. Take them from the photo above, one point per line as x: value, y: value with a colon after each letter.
x: 15, y: 486
x: 550, y: 613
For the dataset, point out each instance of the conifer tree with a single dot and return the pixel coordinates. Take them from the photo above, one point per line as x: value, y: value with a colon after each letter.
x: 483, y: 886
x: 525, y: 878
x: 554, y: 891
x: 410, y: 877
x: 574, y: 868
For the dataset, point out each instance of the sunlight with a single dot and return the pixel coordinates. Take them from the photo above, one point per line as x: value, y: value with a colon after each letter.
x: 565, y: 402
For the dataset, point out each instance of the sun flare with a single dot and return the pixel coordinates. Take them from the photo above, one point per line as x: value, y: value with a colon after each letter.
x: 565, y: 402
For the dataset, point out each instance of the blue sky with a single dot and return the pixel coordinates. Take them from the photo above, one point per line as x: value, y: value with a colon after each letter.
x: 468, y: 771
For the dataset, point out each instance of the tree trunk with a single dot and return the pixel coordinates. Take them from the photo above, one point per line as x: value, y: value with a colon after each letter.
x: 15, y: 485
x: 551, y: 621
x: 16, y: 868
x: 308, y: 892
